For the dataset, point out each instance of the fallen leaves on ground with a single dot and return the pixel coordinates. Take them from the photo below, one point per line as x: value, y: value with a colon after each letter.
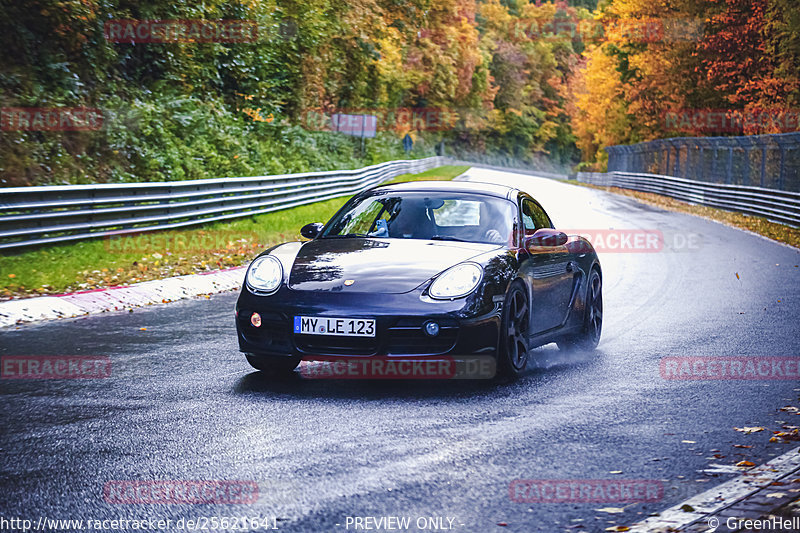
x: 786, y: 436
x: 745, y: 464
x: 748, y: 430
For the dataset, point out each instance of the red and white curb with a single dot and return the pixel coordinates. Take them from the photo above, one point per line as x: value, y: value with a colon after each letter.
x: 722, y: 496
x: 82, y: 303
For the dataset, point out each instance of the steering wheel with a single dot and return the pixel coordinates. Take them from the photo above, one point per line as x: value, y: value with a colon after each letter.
x: 493, y: 235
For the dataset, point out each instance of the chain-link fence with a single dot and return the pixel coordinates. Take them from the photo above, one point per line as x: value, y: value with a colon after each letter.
x: 771, y: 161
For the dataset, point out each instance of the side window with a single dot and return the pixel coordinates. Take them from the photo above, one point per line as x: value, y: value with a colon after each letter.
x: 542, y: 220
x: 528, y: 219
x: 533, y: 217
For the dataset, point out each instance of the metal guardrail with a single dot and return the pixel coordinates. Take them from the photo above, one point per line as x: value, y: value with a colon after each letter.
x: 771, y: 161
x: 507, y: 168
x: 44, y: 215
x: 775, y: 205
x: 509, y: 163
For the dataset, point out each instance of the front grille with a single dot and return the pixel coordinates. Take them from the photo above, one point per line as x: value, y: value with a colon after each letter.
x: 336, y: 345
x: 408, y: 337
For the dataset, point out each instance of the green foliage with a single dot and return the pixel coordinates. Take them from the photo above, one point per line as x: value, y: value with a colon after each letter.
x: 504, y: 69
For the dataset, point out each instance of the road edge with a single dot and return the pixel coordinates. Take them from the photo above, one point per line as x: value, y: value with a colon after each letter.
x: 699, y: 508
x: 75, y: 304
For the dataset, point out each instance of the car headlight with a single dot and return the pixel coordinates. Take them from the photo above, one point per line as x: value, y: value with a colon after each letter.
x: 265, y: 274
x: 457, y: 281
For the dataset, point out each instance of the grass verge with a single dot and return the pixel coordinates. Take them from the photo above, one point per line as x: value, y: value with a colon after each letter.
x: 762, y: 226
x: 107, y: 262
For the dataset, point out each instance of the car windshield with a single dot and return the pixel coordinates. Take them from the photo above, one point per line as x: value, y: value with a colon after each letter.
x: 426, y: 215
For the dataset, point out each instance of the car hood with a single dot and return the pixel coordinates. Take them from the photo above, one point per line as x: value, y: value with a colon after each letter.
x: 388, y: 266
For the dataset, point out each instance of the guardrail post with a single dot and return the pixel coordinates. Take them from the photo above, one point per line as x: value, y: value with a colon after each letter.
x: 763, y: 162
x: 746, y: 178
x: 783, y: 169
x: 745, y: 143
x: 643, y: 156
x: 677, y: 159
x: 702, y: 161
x: 714, y: 162
x: 729, y: 177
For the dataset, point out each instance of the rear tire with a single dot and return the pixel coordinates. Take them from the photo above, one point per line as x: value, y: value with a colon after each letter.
x: 513, y: 350
x: 274, y: 366
x: 589, y: 336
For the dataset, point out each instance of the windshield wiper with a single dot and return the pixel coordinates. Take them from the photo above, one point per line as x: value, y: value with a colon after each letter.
x: 447, y: 238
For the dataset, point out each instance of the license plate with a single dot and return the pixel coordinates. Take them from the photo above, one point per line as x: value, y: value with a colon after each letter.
x: 346, y: 327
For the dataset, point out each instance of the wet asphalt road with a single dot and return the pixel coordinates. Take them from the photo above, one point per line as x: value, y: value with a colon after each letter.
x: 182, y: 403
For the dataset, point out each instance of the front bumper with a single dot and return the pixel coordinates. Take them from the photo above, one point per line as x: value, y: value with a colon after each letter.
x: 467, y: 326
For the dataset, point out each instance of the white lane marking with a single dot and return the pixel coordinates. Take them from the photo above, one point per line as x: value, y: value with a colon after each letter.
x: 723, y: 495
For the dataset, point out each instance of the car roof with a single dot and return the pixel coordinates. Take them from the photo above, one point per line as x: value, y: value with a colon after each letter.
x: 492, y: 189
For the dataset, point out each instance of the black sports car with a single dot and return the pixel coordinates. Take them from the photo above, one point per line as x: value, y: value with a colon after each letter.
x: 423, y: 269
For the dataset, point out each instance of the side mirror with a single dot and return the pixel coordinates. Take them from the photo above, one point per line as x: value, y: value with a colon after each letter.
x: 546, y: 237
x: 310, y: 231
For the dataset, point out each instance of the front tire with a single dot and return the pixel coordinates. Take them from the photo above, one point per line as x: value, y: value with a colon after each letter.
x: 274, y: 366
x: 589, y: 336
x: 513, y: 350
